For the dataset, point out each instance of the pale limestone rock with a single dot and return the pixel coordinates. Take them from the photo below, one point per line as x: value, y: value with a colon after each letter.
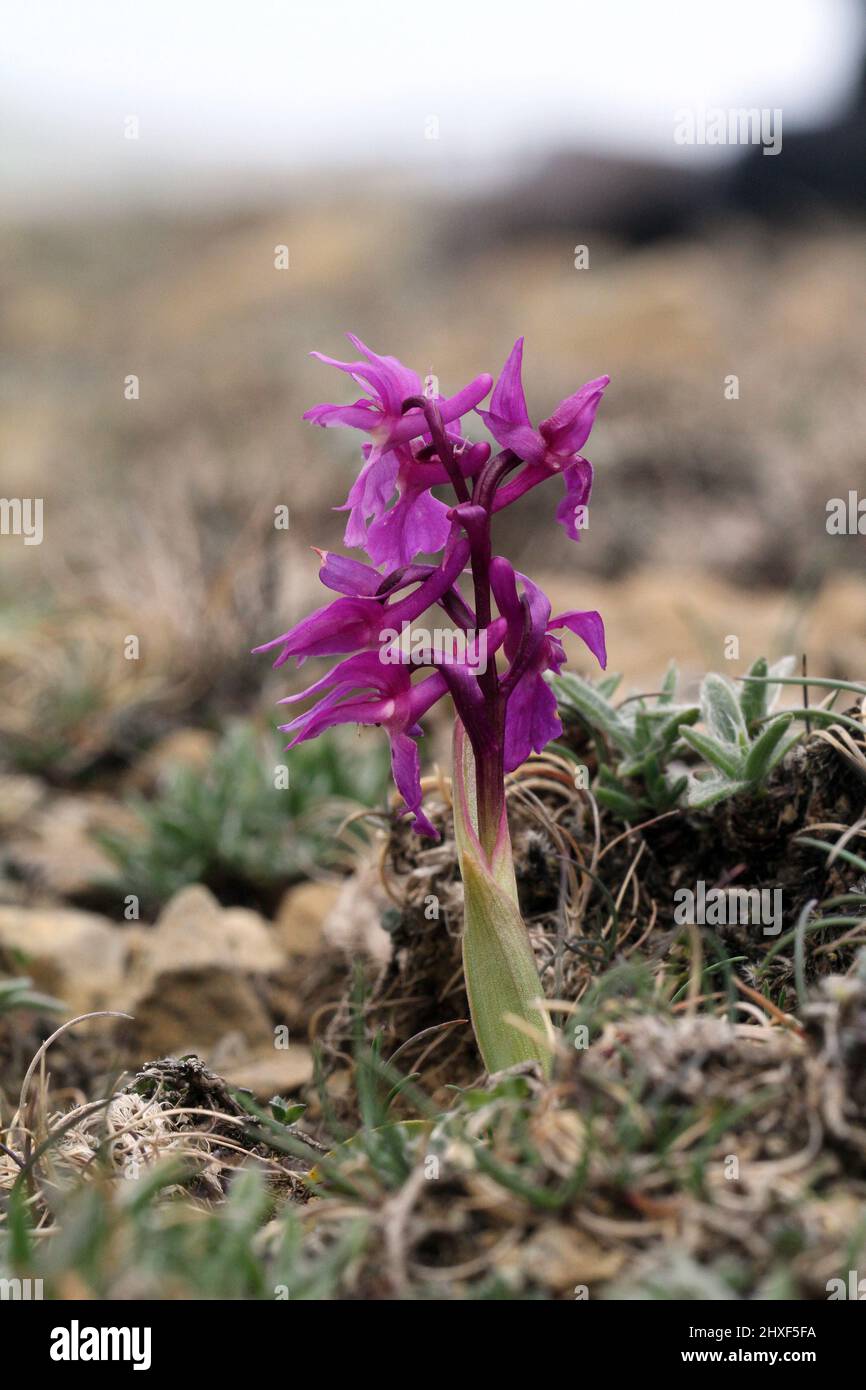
x: 302, y: 914
x: 79, y: 957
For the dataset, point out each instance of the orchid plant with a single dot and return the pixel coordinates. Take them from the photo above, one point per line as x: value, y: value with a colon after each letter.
x: 505, y: 709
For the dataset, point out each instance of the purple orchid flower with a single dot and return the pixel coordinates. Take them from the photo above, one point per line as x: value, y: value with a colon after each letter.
x: 388, y: 384
x: 355, y: 622
x: 531, y: 718
x: 553, y: 448
x: 417, y: 521
x: 364, y: 690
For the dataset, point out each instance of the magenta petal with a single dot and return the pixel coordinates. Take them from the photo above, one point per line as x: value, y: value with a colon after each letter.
x: 538, y: 605
x: 508, y: 400
x: 452, y: 407
x: 369, y: 495
x: 520, y: 438
x: 531, y: 720
x: 392, y: 381
x: 578, y: 486
x: 526, y: 619
x: 346, y: 576
x: 347, y: 624
x: 423, y: 696
x: 409, y: 426
x: 363, y: 669
x: 556, y: 657
x: 327, y: 714
x: 416, y: 523
x: 589, y: 627
x: 363, y: 415
x: 503, y: 582
x: 414, y: 422
x: 471, y: 458
x: 430, y: 591
x: 528, y: 478
x: 406, y: 768
x: 567, y: 429
x: 388, y: 380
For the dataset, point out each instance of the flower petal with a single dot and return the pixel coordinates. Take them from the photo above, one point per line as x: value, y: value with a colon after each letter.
x: 567, y: 429
x: 363, y: 415
x: 531, y: 719
x: 406, y: 769
x: 327, y: 714
x: 392, y: 381
x: 416, y: 524
x: 346, y: 625
x: 370, y: 494
x: 347, y: 576
x: 365, y: 669
x: 571, y: 512
x: 508, y: 401
x: 589, y: 627
x: 521, y: 439
x: 452, y: 407
x: 414, y: 422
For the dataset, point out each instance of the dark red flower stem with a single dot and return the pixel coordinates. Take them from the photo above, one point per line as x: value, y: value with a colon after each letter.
x: 488, y: 739
x: 491, y: 476
x: 433, y: 416
x: 486, y: 734
x: 490, y: 758
x: 490, y: 764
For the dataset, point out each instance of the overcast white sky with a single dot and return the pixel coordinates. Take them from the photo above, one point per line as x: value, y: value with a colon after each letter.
x: 266, y: 84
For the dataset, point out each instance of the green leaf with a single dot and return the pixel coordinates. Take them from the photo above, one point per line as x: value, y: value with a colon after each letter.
x: 19, y: 994
x: 783, y: 667
x: 668, y: 732
x: 837, y: 851
x: 753, y: 696
x: 721, y: 711
x: 727, y: 758
x: 765, y: 751
x: 608, y: 685
x: 579, y: 697
x: 702, y: 794
x: 669, y: 684
x: 285, y: 1111
x: 673, y: 790
x: 622, y: 805
x: 502, y: 981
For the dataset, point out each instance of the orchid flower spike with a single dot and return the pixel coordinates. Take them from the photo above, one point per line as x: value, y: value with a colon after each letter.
x: 502, y: 643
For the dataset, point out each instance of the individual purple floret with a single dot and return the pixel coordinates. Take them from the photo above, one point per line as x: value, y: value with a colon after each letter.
x: 552, y: 448
x: 391, y: 462
x: 355, y: 622
x: 363, y: 690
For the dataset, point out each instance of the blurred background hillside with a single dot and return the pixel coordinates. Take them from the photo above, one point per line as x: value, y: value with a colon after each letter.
x: 432, y: 182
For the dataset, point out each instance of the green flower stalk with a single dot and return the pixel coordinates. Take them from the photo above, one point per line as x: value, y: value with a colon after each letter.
x: 502, y: 985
